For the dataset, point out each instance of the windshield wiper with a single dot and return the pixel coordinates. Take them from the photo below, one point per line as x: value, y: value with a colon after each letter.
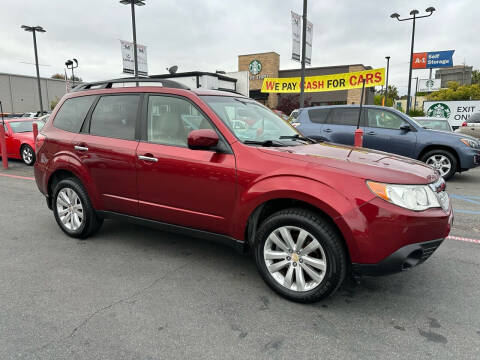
x: 266, y: 143
x: 298, y: 137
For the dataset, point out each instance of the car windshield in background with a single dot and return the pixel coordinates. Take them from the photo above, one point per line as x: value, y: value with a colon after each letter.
x: 253, y: 122
x: 25, y: 126
x: 434, y: 124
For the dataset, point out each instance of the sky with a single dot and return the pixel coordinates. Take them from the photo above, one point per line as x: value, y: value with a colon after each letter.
x: 209, y: 35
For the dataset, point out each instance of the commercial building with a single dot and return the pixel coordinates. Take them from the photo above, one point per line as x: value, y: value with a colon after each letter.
x: 459, y: 73
x: 267, y: 65
x: 19, y: 93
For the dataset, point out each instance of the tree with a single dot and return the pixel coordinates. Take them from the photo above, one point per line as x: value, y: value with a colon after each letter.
x: 62, y: 77
x: 475, y: 77
x: 456, y: 92
x: 290, y: 102
x: 54, y: 103
x: 377, y: 100
x: 392, y: 92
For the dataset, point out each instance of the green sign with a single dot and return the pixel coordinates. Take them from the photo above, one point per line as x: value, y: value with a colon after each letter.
x: 439, y: 110
x: 255, y: 67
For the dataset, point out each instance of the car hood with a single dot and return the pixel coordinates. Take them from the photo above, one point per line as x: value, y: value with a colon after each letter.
x: 365, y: 163
x: 455, y: 134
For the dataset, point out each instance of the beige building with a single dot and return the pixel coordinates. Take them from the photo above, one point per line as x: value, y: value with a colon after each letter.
x: 267, y: 65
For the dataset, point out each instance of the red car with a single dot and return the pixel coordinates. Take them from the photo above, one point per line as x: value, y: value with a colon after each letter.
x: 19, y: 139
x: 188, y: 161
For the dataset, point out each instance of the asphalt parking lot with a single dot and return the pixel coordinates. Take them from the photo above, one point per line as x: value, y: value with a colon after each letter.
x: 137, y: 293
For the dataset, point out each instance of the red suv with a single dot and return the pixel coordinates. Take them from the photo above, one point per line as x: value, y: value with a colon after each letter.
x: 221, y: 166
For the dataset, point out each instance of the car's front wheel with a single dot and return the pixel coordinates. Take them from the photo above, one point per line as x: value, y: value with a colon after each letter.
x: 300, y: 255
x: 73, y: 210
x: 28, y: 155
x: 441, y: 160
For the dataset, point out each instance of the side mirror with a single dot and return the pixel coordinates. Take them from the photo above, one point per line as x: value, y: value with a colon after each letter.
x: 202, y: 139
x: 406, y: 127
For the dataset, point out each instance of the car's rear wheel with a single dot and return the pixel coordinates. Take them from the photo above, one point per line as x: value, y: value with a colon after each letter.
x: 73, y: 210
x: 300, y: 255
x: 28, y: 155
x: 441, y: 160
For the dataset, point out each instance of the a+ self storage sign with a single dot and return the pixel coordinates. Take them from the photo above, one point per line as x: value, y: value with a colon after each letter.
x: 333, y: 82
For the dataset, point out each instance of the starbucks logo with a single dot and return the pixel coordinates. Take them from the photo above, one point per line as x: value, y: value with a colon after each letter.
x: 430, y: 84
x: 439, y: 110
x: 255, y: 67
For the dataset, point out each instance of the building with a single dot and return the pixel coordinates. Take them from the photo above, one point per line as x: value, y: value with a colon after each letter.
x: 401, y: 104
x: 267, y: 65
x: 459, y: 73
x: 19, y: 93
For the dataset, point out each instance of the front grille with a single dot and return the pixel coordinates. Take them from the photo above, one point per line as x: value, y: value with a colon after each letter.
x: 429, y: 249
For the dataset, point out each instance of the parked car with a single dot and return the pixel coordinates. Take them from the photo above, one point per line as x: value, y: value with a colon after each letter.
x: 281, y: 114
x: 311, y: 213
x: 19, y: 139
x: 32, y: 115
x: 293, y: 115
x: 390, y: 130
x: 471, y: 126
x: 434, y: 123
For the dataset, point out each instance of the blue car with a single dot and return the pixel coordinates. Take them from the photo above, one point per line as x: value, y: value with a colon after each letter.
x: 392, y: 131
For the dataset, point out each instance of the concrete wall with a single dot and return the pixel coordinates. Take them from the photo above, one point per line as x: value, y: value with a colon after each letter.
x: 19, y: 93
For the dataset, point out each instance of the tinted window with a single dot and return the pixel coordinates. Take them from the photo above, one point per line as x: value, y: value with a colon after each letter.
x: 72, y: 113
x: 115, y: 117
x: 318, y: 116
x: 170, y: 120
x: 434, y: 124
x: 344, y: 117
x: 384, y: 119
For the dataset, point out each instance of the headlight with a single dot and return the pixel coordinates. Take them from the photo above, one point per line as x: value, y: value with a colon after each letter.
x: 412, y: 197
x: 472, y: 143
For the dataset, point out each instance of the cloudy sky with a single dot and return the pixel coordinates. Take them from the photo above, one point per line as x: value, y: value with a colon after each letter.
x: 208, y: 35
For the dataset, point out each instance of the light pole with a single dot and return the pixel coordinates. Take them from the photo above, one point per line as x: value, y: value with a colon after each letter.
x: 69, y: 65
x: 386, y: 83
x: 33, y: 30
x: 304, y: 41
x: 416, y: 89
x: 132, y: 4
x: 414, y: 17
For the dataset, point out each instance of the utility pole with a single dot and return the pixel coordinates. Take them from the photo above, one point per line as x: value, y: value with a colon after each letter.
x: 386, y: 83
x: 304, y: 43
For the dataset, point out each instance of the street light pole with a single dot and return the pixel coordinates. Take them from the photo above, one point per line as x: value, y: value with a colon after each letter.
x: 304, y: 43
x: 132, y: 4
x: 414, y: 17
x: 33, y: 30
x: 416, y: 89
x: 386, y: 83
x: 69, y: 65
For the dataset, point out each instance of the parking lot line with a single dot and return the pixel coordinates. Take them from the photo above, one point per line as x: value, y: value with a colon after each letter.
x: 466, y: 211
x: 465, y: 198
x: 459, y: 238
x: 17, y: 177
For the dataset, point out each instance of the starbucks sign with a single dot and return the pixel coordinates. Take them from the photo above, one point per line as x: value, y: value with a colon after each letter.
x: 429, y: 85
x: 439, y: 110
x: 255, y: 67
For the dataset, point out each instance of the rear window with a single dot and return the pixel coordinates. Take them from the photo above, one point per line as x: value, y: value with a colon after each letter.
x: 344, y: 117
x: 71, y: 115
x: 318, y: 116
x: 115, y: 116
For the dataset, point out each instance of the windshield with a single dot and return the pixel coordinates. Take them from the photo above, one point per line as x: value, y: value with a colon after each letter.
x: 250, y: 121
x: 25, y: 126
x: 434, y: 124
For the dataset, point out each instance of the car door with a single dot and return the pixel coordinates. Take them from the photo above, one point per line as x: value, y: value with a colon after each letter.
x: 107, y: 148
x: 341, y: 124
x: 13, y: 145
x: 311, y: 122
x: 383, y: 132
x: 178, y: 185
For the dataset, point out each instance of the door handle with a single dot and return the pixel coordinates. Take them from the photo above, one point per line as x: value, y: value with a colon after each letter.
x: 81, y: 148
x: 327, y: 130
x: 147, y: 158
x: 371, y: 133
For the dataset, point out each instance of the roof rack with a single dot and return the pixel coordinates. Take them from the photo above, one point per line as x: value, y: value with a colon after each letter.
x: 108, y: 84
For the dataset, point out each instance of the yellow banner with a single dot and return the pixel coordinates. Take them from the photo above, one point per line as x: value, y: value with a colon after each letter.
x: 333, y: 82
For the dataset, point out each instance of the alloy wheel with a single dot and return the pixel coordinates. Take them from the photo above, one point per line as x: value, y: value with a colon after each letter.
x: 440, y: 163
x: 295, y: 258
x: 70, y: 209
x: 27, y: 155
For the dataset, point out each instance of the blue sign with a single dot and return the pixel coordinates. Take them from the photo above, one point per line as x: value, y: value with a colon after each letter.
x: 439, y: 59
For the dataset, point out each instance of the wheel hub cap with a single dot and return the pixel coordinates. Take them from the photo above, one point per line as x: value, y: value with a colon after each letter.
x: 440, y: 163
x: 69, y: 209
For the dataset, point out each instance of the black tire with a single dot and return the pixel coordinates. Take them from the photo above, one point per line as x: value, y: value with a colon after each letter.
x: 440, y: 152
x: 325, y: 234
x: 27, y: 154
x: 91, y: 222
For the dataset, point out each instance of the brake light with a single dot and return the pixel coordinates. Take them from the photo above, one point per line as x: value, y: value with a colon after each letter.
x: 39, y: 142
x: 464, y: 123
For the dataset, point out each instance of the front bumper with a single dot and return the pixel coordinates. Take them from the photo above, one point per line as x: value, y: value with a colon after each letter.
x: 469, y: 158
x: 403, y: 259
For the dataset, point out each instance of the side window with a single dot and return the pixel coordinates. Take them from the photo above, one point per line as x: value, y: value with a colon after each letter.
x: 341, y: 116
x: 71, y: 115
x: 318, y: 116
x: 115, y: 116
x: 384, y: 119
x: 170, y: 119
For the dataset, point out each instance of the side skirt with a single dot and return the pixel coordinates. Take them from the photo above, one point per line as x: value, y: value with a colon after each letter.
x: 239, y: 246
